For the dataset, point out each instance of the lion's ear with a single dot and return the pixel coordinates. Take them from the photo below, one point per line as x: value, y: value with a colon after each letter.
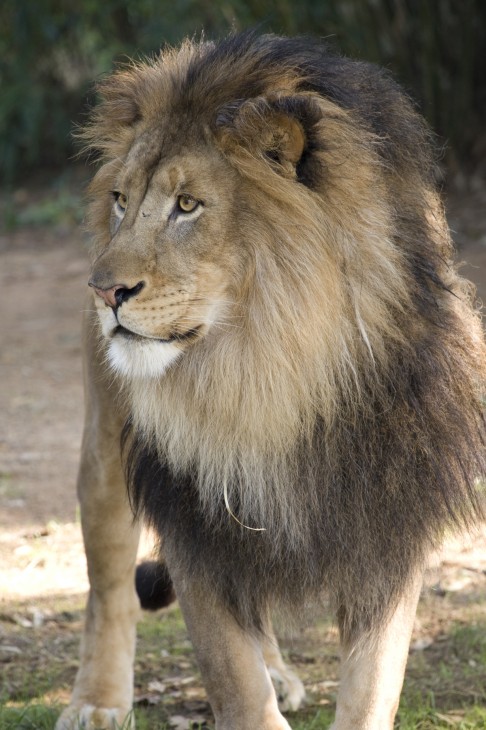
x: 276, y: 129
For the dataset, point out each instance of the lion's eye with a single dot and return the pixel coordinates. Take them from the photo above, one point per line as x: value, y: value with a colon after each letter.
x: 121, y: 201
x: 187, y: 204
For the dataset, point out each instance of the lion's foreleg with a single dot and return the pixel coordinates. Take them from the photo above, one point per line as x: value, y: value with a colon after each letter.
x: 105, y: 676
x: 103, y: 691
x: 232, y: 665
x: 373, y: 668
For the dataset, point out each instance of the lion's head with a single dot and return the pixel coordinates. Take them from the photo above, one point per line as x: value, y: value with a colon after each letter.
x: 239, y: 204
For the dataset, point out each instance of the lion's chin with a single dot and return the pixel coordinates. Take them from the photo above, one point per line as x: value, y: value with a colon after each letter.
x: 142, y: 358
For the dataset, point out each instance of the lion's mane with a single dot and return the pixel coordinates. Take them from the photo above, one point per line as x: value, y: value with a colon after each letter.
x: 340, y: 408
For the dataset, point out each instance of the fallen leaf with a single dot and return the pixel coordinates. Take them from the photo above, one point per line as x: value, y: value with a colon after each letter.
x: 156, y: 686
x: 179, y: 722
x: 148, y: 699
x: 451, y: 719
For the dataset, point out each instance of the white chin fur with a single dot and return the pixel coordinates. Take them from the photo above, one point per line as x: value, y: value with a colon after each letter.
x: 147, y: 359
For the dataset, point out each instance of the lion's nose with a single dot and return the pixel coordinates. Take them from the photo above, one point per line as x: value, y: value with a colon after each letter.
x: 109, y: 295
x: 115, y: 295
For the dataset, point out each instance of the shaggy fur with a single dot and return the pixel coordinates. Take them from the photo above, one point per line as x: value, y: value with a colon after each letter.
x: 334, y: 406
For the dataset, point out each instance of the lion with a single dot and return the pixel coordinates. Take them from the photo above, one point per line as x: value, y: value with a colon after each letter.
x: 279, y: 339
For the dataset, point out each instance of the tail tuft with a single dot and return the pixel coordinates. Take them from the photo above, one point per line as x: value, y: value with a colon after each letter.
x: 154, y: 586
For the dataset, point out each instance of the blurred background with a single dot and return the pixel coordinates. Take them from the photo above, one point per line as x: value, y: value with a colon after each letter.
x: 51, y: 51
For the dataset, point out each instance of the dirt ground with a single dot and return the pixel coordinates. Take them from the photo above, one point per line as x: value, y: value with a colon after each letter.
x: 43, y: 275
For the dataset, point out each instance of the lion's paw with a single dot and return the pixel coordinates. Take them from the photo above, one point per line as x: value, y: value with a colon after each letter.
x: 288, y: 687
x: 89, y: 717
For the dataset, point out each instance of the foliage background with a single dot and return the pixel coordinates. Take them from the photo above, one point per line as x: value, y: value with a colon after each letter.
x: 52, y: 50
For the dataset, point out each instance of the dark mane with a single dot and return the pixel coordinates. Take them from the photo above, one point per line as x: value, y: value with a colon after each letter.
x: 380, y: 492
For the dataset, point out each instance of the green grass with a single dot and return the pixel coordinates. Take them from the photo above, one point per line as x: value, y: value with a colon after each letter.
x: 171, y: 629
x: 311, y: 721
x: 445, y: 685
x: 469, y: 643
x: 34, y: 717
x: 41, y: 717
x: 421, y: 717
x: 424, y: 716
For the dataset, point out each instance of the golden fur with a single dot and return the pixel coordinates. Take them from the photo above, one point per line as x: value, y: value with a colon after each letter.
x: 301, y: 364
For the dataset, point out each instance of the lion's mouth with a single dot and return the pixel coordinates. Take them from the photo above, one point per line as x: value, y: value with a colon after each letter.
x: 175, y: 337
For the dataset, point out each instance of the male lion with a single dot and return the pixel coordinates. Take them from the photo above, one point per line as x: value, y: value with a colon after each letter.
x: 277, y: 323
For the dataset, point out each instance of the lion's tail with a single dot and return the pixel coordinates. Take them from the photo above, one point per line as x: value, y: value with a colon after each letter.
x: 154, y: 585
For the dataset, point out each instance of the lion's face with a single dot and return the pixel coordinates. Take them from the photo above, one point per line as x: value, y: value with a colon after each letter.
x: 167, y: 275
